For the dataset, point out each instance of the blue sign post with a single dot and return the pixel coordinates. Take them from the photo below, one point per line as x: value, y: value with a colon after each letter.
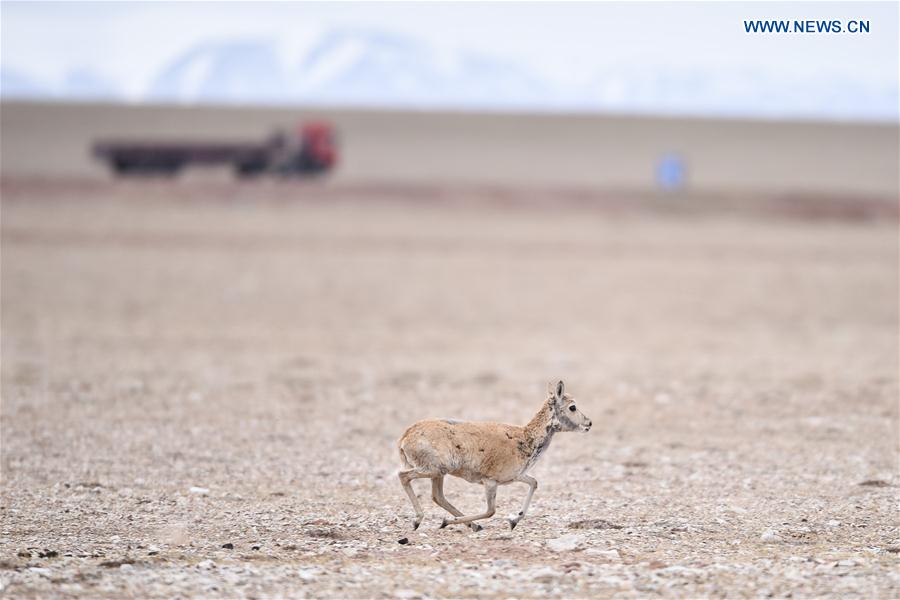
x: 671, y: 172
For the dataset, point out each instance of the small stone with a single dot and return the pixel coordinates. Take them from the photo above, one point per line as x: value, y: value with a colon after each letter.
x: 126, y: 567
x: 206, y: 565
x: 594, y: 524
x: 770, y: 536
x: 544, y: 574
x: 403, y: 541
x: 228, y: 546
x: 39, y: 570
x: 115, y: 563
x: 200, y: 491
x: 833, y: 523
x: 407, y: 594
x: 678, y: 570
x: 607, y: 554
x: 566, y: 543
x: 254, y: 547
x: 846, y: 563
x: 874, y: 483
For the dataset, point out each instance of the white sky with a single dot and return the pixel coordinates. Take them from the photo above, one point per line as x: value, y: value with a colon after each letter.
x: 129, y: 43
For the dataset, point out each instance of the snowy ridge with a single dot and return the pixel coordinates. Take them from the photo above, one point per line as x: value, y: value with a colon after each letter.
x: 351, y: 67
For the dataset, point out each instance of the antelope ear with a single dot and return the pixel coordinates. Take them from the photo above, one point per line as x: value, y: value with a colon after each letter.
x: 560, y: 389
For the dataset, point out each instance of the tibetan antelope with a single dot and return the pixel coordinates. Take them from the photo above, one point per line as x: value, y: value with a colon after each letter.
x: 488, y: 453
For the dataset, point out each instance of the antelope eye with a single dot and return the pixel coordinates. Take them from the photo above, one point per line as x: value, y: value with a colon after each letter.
x: 572, y: 408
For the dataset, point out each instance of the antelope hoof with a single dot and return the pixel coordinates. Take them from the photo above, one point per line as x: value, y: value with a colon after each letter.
x: 513, y: 523
x: 476, y: 527
x: 443, y: 523
x: 416, y: 522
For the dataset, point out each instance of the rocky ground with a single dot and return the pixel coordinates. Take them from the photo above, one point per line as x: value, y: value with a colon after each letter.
x: 201, y: 397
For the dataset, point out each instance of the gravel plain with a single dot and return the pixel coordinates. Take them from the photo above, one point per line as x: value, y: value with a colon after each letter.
x: 201, y: 394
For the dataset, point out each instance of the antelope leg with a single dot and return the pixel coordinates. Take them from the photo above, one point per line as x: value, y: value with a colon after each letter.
x: 405, y: 478
x: 437, y: 494
x: 490, y: 491
x: 532, y: 485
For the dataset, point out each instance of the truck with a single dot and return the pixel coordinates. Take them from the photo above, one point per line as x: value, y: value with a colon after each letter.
x: 310, y: 149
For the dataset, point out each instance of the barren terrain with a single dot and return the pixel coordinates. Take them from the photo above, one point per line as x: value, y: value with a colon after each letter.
x: 572, y: 151
x: 202, y: 392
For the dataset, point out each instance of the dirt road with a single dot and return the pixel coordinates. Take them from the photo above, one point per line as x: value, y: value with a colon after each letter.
x: 201, y: 397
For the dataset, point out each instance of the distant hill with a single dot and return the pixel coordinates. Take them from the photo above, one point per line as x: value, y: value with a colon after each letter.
x: 245, y: 71
x: 366, y: 68
x: 84, y: 84
x: 381, y: 69
x: 345, y: 67
x: 17, y: 84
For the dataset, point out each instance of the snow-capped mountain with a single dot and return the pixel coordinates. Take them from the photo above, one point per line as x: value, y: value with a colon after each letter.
x: 368, y: 68
x: 84, y: 84
x: 360, y: 67
x: 17, y: 84
x: 246, y: 71
x: 349, y: 68
x: 77, y: 84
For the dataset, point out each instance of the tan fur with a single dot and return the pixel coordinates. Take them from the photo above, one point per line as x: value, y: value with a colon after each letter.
x: 491, y: 454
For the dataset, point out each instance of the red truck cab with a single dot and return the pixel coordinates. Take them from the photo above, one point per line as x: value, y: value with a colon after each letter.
x: 319, y: 143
